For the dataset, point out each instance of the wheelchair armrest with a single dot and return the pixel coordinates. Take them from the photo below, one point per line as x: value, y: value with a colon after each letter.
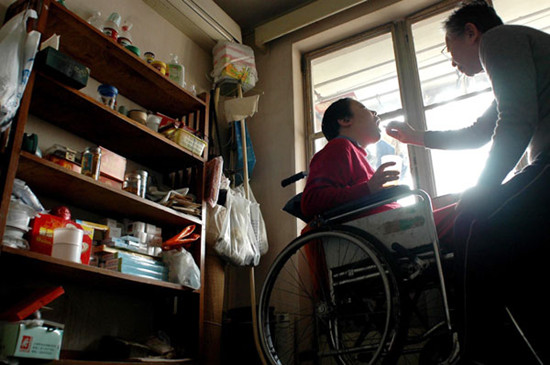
x: 381, y: 197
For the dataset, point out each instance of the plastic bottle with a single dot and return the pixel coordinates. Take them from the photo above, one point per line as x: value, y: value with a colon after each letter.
x: 176, y: 71
x: 124, y: 37
x: 95, y: 20
x: 112, y: 25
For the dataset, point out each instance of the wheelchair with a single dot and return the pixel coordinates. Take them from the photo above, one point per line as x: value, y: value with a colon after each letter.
x: 360, y: 289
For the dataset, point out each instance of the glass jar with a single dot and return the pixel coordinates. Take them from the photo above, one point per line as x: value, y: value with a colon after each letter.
x: 107, y: 95
x: 132, y: 183
x: 91, y: 162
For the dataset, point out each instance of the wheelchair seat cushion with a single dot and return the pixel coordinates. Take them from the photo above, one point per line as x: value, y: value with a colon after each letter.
x: 293, y: 206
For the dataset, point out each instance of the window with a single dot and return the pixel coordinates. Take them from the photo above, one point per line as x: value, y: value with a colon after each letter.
x: 364, y: 68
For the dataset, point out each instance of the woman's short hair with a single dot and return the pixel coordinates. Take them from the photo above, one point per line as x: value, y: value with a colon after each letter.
x: 477, y: 12
x: 340, y: 109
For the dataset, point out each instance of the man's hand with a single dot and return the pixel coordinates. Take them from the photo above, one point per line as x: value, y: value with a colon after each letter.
x: 405, y: 133
x: 381, y: 177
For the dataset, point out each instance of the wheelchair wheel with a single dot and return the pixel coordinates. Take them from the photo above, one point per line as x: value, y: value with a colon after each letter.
x: 332, y: 297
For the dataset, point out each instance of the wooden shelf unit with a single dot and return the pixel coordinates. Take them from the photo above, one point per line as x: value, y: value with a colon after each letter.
x: 82, y: 115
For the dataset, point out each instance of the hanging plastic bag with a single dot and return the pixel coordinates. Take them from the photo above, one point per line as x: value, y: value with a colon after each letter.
x: 241, y: 249
x: 17, y: 51
x: 257, y: 220
x: 182, y: 268
x: 217, y: 226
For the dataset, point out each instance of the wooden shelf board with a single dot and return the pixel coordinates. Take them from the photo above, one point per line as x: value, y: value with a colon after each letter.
x: 74, y: 188
x: 74, y: 271
x: 84, y: 116
x: 112, y: 64
x: 144, y: 362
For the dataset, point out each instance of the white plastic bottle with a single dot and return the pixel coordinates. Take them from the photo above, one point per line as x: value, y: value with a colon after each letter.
x: 124, y: 38
x: 95, y: 20
x: 176, y: 71
x: 111, y: 26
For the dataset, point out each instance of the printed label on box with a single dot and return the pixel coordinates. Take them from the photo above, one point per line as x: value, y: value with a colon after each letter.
x: 26, y: 343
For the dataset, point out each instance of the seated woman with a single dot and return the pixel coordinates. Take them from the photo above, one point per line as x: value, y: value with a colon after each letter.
x: 341, y: 173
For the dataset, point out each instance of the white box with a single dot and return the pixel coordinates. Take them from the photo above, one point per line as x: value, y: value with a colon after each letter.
x: 19, y: 340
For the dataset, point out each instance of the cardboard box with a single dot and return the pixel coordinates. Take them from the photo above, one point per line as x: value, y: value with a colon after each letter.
x: 64, y: 163
x: 112, y: 165
x: 62, y: 68
x: 41, y: 235
x: 18, y: 340
x: 110, y: 182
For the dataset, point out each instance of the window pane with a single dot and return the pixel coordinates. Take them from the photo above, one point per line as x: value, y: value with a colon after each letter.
x: 364, y: 71
x: 390, y: 146
x: 456, y: 171
x: 319, y: 144
x: 532, y: 13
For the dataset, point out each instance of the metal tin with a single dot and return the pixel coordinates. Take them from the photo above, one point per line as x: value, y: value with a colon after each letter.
x: 143, y: 174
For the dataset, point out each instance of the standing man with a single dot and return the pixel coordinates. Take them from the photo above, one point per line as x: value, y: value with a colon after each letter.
x: 503, y: 229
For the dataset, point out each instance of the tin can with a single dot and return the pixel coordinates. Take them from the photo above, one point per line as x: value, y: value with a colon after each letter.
x: 91, y: 162
x: 149, y: 57
x: 143, y: 186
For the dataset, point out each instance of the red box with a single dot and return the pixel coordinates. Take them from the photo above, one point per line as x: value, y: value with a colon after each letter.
x: 64, y: 163
x: 112, y: 165
x: 110, y: 182
x: 41, y: 235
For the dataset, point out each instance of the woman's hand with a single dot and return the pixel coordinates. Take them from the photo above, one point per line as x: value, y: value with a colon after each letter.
x: 405, y: 133
x: 382, y: 176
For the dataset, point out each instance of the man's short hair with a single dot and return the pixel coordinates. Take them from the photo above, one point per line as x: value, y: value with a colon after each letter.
x: 477, y: 12
x: 340, y: 109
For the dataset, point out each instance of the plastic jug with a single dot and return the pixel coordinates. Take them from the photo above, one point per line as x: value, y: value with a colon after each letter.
x: 176, y: 72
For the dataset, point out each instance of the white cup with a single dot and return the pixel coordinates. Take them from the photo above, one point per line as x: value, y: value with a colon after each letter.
x: 397, y: 167
x: 67, y: 243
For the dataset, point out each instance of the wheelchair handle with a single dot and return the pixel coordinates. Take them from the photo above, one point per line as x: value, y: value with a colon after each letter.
x: 292, y: 179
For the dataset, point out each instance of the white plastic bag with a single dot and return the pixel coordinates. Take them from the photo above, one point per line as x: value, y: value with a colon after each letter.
x: 182, y: 268
x: 234, y: 61
x: 17, y: 51
x: 217, y: 225
x: 241, y: 249
x: 257, y: 220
